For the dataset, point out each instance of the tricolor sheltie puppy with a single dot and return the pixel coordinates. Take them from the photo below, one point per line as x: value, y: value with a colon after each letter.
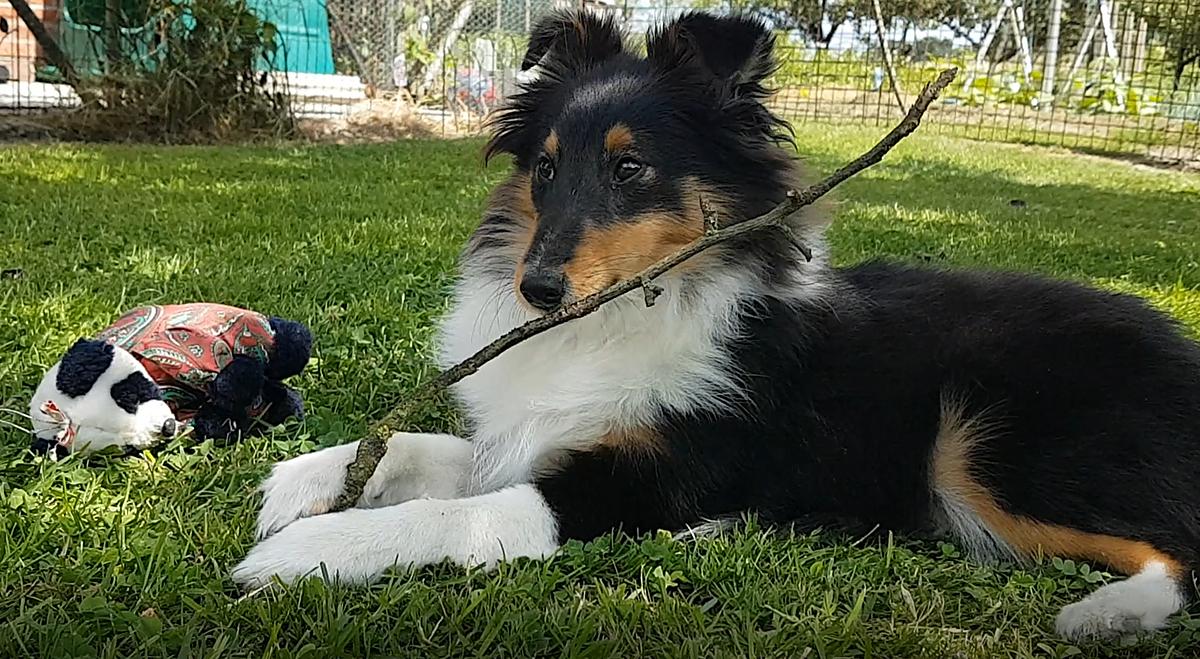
x: 1017, y: 415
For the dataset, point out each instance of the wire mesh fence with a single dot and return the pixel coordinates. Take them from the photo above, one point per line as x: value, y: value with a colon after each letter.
x: 1105, y: 75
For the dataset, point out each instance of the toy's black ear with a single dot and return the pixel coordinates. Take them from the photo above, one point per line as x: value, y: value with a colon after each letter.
x: 293, y: 348
x: 134, y: 390
x: 572, y: 41
x: 736, y: 50
x: 83, y: 364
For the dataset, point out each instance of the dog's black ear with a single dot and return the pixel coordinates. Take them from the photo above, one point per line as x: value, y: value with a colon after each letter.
x: 736, y: 50
x: 83, y: 364
x: 562, y: 45
x: 572, y: 41
x: 727, y: 59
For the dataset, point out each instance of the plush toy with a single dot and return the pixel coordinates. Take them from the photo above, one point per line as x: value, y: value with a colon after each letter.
x: 160, y: 369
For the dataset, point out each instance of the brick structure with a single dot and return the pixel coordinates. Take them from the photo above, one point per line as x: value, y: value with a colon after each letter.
x: 19, y: 52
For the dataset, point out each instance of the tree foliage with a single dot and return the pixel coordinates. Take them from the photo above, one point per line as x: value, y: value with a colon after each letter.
x: 1173, y: 23
x: 818, y: 20
x: 1177, y: 24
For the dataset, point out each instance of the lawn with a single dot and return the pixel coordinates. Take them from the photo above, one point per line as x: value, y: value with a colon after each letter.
x: 130, y: 558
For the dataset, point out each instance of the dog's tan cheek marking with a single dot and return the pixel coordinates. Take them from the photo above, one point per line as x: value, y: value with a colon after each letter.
x: 618, y: 138
x: 516, y: 197
x: 608, y: 255
x: 951, y: 475
x: 514, y: 200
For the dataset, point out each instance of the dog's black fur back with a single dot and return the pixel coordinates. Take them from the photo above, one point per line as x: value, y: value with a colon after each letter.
x: 1092, y: 399
x: 1018, y: 414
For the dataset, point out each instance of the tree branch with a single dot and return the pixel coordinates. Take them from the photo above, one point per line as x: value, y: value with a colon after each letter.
x: 372, y: 447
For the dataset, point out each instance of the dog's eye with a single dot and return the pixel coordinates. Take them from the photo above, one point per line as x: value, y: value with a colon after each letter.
x: 627, y: 169
x: 545, y: 169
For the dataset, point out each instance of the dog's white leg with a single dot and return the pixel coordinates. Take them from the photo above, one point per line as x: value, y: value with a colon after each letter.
x: 358, y: 545
x: 1140, y: 603
x: 415, y: 466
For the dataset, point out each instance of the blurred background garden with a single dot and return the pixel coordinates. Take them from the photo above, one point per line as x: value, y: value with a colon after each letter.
x: 1120, y: 76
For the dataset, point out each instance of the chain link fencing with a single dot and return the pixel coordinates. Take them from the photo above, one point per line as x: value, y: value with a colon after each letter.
x: 1103, y: 75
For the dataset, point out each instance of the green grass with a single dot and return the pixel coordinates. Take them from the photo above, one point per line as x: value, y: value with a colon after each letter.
x: 129, y: 558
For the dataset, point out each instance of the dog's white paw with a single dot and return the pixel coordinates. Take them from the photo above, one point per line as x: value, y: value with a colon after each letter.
x: 303, y: 486
x: 1141, y: 603
x: 1099, y: 620
x: 359, y: 544
x: 303, y: 547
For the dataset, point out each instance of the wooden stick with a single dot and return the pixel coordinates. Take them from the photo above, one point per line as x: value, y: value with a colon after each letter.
x: 372, y: 447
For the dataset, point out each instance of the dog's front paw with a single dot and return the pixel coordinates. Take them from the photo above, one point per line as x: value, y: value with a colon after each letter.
x: 334, y: 542
x: 303, y: 486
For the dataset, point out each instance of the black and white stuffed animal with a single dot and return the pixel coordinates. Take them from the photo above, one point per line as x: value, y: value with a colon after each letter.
x: 95, y: 398
x: 161, y: 369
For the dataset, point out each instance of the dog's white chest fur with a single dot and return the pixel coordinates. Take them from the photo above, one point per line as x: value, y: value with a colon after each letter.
x: 615, y: 369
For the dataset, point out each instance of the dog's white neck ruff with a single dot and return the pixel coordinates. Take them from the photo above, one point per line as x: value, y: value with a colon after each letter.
x: 618, y: 368
x: 564, y: 389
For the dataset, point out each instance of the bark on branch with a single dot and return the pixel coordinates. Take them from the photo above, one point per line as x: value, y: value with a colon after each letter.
x: 372, y: 447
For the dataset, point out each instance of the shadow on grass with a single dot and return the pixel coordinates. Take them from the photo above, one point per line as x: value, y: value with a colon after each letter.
x: 927, y: 209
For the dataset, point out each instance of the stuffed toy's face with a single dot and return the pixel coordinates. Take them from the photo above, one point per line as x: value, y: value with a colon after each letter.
x: 98, y: 397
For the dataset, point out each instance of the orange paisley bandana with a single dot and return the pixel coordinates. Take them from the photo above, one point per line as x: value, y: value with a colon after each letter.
x: 184, y: 346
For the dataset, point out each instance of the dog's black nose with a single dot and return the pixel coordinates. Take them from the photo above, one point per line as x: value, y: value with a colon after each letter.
x: 168, y: 429
x: 543, y: 291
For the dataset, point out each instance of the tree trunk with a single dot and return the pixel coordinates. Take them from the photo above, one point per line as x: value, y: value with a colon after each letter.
x: 1139, y: 57
x: 112, y: 34
x: 981, y: 54
x: 1185, y: 58
x: 887, y: 55
x: 1052, y: 44
x: 434, y: 71
x: 1085, y: 45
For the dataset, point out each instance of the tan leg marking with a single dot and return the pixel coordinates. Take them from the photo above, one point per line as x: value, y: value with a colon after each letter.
x: 957, y: 439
